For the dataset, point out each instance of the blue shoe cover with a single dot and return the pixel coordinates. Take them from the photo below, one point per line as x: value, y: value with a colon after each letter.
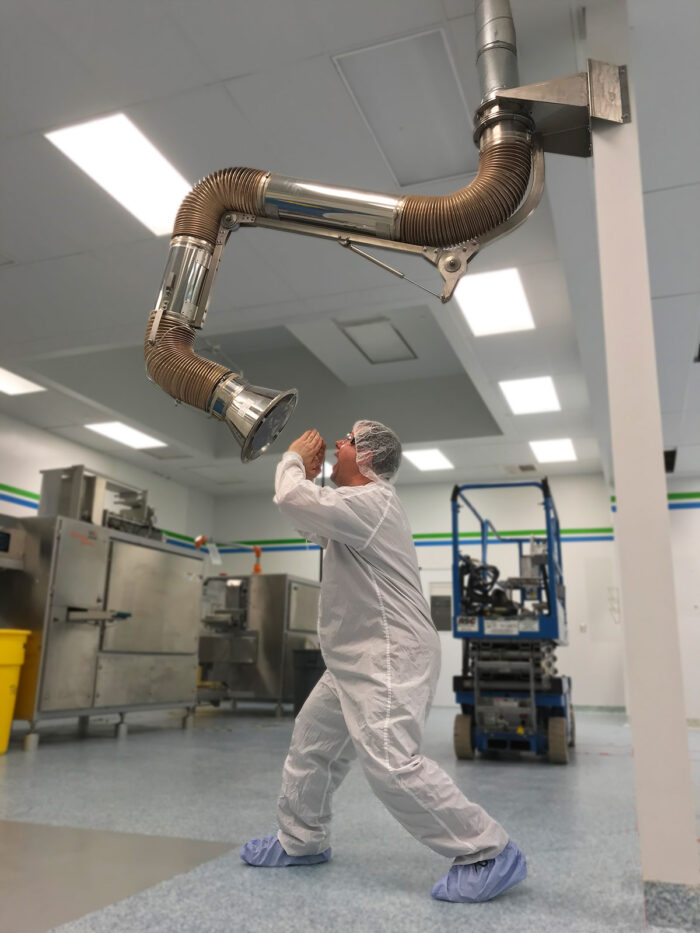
x: 481, y: 881
x: 268, y: 853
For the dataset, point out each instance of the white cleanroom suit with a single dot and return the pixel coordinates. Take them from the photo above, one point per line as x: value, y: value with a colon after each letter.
x: 382, y: 652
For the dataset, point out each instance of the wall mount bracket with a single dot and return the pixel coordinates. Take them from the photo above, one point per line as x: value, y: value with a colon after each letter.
x: 563, y: 108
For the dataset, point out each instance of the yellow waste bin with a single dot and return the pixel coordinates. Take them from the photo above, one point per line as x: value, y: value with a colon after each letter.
x: 12, y: 642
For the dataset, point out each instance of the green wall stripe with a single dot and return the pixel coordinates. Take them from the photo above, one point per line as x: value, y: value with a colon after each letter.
x: 20, y: 492
x: 672, y: 495
x: 515, y: 534
x: 263, y: 541
x: 442, y: 536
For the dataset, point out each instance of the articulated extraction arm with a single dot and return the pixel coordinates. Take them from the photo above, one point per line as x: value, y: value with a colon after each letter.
x: 448, y: 231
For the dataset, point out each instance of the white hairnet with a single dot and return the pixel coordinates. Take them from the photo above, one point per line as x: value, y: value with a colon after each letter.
x: 378, y: 450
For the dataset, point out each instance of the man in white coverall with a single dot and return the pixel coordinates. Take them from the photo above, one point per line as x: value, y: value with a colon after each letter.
x: 382, y: 654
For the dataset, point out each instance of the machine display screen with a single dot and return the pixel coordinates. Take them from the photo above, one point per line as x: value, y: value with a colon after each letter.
x: 4, y: 542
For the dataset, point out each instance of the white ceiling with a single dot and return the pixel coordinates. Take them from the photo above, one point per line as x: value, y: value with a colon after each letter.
x: 227, y: 82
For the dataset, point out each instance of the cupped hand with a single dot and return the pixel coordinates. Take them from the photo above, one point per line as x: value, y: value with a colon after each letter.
x: 312, y: 449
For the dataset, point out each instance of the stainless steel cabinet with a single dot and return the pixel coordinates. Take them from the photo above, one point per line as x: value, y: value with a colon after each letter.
x: 114, y: 620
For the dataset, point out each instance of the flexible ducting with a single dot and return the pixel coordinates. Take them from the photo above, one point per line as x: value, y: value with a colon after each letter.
x: 505, y: 162
x: 490, y: 199
x: 443, y: 221
x: 233, y: 189
x: 173, y: 365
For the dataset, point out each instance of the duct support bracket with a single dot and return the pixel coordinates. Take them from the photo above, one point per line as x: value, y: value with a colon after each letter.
x: 451, y: 262
x: 562, y: 109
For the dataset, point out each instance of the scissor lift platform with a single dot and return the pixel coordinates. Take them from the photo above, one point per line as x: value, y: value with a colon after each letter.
x: 510, y: 696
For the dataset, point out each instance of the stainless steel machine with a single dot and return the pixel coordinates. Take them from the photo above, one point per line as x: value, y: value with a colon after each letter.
x: 114, y: 616
x: 251, y: 626
x: 76, y: 492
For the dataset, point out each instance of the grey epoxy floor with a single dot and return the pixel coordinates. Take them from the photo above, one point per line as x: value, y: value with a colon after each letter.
x: 219, y: 782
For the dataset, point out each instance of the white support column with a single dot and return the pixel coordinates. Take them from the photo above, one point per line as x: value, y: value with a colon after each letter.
x: 665, y: 810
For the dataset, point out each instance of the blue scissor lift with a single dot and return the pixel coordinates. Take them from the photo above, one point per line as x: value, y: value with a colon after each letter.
x: 508, y: 690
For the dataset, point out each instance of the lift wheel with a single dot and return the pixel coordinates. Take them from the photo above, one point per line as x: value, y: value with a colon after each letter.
x: 557, y: 751
x: 463, y: 736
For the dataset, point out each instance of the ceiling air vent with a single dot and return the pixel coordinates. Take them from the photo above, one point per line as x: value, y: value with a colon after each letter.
x: 378, y: 341
x: 517, y: 469
x: 670, y: 460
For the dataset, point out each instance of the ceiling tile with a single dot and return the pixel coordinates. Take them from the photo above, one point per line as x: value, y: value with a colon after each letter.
x: 245, y: 38
x: 203, y: 131
x: 311, y: 266
x: 307, y: 116
x: 364, y: 22
x: 41, y: 84
x: 663, y: 58
x: 677, y: 328
x: 49, y: 410
x: 454, y: 8
x: 688, y: 460
x: 673, y: 382
x: 98, y: 35
x: 326, y: 340
x: 671, y: 223
x: 50, y: 208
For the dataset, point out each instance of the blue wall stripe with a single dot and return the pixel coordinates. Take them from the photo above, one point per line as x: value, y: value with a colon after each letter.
x: 564, y: 540
x: 446, y: 543
x: 684, y: 505
x: 14, y: 499
x: 185, y: 544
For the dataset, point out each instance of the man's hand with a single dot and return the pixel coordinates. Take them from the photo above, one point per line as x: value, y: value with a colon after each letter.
x: 312, y: 449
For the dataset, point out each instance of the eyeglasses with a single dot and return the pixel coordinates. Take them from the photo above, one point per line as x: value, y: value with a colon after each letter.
x: 351, y: 438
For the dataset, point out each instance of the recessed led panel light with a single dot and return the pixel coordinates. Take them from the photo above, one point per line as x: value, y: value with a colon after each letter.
x: 116, y: 154
x: 11, y: 384
x: 494, y: 302
x: 553, y: 451
x: 428, y: 459
x: 526, y: 396
x: 122, y: 433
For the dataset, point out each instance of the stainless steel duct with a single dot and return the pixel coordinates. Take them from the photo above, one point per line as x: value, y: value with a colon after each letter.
x: 244, y: 196
x: 496, y: 53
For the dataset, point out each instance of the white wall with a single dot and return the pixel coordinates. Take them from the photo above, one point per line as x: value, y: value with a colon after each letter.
x: 25, y: 451
x: 594, y: 656
x: 685, y: 544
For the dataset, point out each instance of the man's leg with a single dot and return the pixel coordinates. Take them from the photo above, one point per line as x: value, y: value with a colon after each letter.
x: 425, y: 800
x: 386, y: 728
x: 319, y: 757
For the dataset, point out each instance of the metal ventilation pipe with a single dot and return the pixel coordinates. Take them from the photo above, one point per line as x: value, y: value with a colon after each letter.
x: 496, y: 53
x: 256, y: 416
